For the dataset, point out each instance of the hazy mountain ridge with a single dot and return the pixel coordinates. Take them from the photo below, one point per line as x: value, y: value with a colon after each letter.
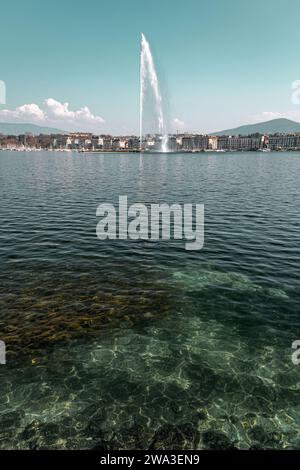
x: 280, y: 126
x: 22, y: 128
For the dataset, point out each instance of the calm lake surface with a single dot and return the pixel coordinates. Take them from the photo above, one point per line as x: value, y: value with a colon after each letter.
x: 136, y: 344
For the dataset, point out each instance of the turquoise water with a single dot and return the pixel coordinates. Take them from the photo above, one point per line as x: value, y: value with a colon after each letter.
x: 135, y: 344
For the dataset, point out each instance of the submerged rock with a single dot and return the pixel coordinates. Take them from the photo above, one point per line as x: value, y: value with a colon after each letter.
x: 39, y: 435
x: 63, y: 310
x: 11, y: 419
x: 184, y: 436
x: 264, y: 438
x: 214, y: 440
x: 100, y: 446
x: 133, y: 437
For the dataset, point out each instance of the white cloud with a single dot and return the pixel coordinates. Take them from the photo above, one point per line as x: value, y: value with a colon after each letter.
x: 27, y: 112
x: 54, y: 114
x: 178, y: 124
x: 56, y: 110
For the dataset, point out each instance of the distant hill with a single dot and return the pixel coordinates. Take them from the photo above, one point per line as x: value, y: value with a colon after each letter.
x: 18, y: 129
x: 280, y: 126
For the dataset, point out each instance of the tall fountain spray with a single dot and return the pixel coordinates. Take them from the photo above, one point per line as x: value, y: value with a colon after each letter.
x: 148, y: 75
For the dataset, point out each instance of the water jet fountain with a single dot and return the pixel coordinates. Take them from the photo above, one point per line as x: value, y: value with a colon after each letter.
x: 149, y: 78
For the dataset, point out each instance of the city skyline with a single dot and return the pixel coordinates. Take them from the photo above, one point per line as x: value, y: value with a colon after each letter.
x: 176, y: 143
x: 83, y: 73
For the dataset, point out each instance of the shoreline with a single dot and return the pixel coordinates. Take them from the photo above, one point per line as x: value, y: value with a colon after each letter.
x: 145, y: 152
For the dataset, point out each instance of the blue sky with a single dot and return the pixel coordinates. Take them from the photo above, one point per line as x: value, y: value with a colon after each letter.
x: 222, y: 63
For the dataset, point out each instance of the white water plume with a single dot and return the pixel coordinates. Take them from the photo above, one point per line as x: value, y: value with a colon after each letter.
x: 148, y: 76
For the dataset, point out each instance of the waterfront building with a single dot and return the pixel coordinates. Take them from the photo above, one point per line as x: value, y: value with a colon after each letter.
x: 193, y: 142
x: 284, y: 142
x: 107, y: 143
x: 176, y: 142
x: 133, y: 143
x: 172, y: 143
x: 213, y: 143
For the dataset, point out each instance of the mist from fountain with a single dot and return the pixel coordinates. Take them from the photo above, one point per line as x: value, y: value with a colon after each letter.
x: 148, y: 76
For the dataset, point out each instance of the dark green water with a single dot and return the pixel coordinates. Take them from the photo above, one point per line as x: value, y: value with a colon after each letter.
x: 123, y: 344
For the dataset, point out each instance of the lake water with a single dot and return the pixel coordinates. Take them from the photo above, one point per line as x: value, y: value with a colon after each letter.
x: 137, y: 344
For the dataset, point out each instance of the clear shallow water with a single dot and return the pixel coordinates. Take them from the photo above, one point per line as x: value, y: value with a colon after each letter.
x: 139, y: 344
